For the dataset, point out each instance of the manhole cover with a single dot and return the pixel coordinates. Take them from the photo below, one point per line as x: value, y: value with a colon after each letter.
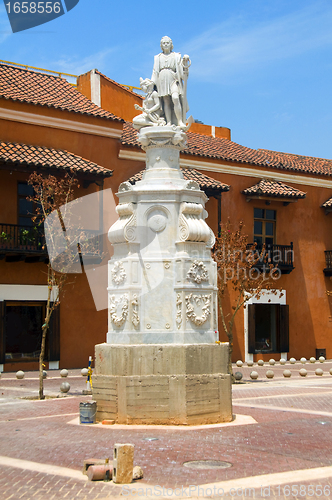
x: 207, y: 464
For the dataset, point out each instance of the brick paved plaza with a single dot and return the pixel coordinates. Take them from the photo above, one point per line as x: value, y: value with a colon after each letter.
x: 279, y: 446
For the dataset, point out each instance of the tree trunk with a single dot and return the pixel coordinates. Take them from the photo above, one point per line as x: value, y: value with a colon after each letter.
x: 41, y: 362
x: 230, y: 352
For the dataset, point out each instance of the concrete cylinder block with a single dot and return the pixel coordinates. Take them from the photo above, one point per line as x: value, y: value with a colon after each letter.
x: 123, y: 463
x: 99, y: 472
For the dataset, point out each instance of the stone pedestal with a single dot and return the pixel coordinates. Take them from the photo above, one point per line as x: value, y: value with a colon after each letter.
x: 162, y: 384
x: 160, y: 363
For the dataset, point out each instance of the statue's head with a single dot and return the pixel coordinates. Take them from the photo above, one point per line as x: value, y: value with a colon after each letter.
x: 166, y: 41
x: 146, y: 84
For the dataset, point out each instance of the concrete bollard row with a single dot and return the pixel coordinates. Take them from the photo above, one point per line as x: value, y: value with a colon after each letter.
x: 239, y: 363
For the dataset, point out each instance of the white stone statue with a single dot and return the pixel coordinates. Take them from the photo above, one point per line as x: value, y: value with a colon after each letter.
x: 170, y: 74
x: 151, y: 109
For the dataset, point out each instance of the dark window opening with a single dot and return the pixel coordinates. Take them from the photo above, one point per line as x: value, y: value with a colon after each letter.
x: 264, y: 226
x: 268, y: 329
x: 26, y: 207
x: 23, y: 330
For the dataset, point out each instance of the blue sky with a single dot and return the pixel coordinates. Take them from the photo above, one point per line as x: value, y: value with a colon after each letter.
x: 262, y: 68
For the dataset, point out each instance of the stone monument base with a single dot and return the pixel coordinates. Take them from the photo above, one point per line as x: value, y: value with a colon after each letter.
x: 169, y: 384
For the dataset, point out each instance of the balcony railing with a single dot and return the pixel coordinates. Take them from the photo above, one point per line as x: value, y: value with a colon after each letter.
x: 28, y: 243
x: 328, y: 259
x: 281, y: 256
x: 21, y: 239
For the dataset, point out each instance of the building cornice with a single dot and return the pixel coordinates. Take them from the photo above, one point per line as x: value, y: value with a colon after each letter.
x: 59, y: 123
x: 236, y: 170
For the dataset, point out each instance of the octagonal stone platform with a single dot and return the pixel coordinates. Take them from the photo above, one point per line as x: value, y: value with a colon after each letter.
x: 162, y: 384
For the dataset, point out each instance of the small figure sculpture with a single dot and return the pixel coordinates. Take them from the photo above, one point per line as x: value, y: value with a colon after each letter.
x: 151, y: 110
x: 170, y: 74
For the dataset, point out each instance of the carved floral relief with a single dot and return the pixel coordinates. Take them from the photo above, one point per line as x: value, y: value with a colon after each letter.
x: 117, y: 305
x: 198, y: 272
x: 203, y: 302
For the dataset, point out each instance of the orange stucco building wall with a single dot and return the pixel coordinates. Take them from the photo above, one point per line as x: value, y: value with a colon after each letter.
x: 304, y: 223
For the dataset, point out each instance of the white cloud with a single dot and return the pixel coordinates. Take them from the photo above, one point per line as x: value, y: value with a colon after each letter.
x: 241, y: 44
x: 76, y: 66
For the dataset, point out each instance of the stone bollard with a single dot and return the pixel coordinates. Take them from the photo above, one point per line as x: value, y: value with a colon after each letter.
x: 321, y: 359
x: 303, y: 360
x: 84, y: 372
x: 303, y: 372
x: 20, y: 374
x: 269, y: 374
x: 250, y: 363
x: 282, y: 361
x: 64, y: 387
x: 319, y: 372
x: 292, y: 361
x: 260, y: 362
x: 254, y: 375
x: 123, y: 463
x: 239, y: 363
x: 238, y: 376
x: 64, y: 373
x: 312, y: 360
x: 272, y: 362
x: 287, y: 373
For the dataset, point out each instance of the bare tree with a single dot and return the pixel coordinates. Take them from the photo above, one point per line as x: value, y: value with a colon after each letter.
x: 238, y: 274
x: 52, y: 196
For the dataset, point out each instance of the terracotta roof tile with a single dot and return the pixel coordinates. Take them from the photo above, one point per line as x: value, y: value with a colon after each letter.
x: 274, y: 189
x: 39, y: 157
x: 190, y: 174
x: 327, y: 204
x: 29, y: 86
x: 224, y: 149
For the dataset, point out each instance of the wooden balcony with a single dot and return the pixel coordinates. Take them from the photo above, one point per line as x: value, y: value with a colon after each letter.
x: 281, y: 256
x: 24, y: 243
x: 27, y: 243
x: 328, y: 259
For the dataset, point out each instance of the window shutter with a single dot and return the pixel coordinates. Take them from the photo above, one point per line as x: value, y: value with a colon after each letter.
x: 2, y: 333
x: 251, y: 328
x: 54, y: 336
x: 284, y: 328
